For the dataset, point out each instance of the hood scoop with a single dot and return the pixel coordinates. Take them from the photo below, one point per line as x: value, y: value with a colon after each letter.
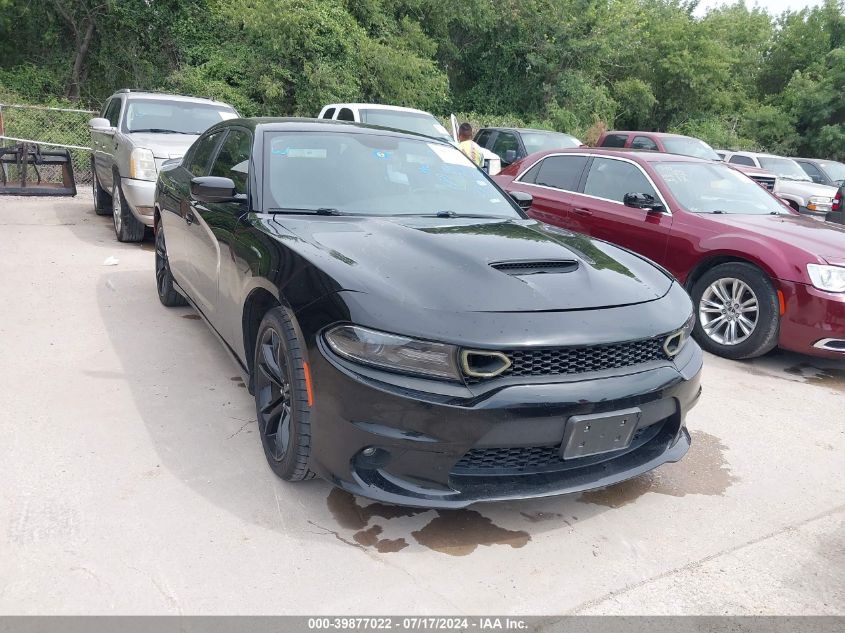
x: 518, y: 268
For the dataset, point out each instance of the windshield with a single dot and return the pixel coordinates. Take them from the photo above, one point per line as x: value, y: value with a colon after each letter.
x: 835, y: 171
x: 418, y: 122
x: 714, y: 188
x: 687, y: 146
x: 542, y: 141
x: 785, y: 168
x: 173, y: 117
x: 374, y: 174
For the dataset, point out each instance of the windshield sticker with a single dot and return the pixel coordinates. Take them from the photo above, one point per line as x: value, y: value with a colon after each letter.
x: 299, y: 152
x: 673, y: 174
x: 381, y: 154
x: 481, y: 183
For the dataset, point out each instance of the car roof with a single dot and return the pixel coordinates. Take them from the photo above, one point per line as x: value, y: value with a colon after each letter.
x: 141, y: 94
x: 524, y: 129
x: 645, y: 156
x: 759, y: 154
x: 375, y: 106
x: 302, y: 124
x: 654, y: 134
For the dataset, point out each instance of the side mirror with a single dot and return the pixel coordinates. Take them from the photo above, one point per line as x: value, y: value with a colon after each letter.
x: 643, y: 201
x: 524, y: 200
x: 100, y: 124
x: 510, y: 156
x: 214, y: 189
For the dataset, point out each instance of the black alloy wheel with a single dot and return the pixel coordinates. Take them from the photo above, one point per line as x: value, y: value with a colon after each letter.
x: 281, y: 397
x: 167, y: 293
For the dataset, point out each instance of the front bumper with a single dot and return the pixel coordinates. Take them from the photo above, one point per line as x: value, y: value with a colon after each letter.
x: 493, y: 441
x: 813, y: 320
x: 140, y: 196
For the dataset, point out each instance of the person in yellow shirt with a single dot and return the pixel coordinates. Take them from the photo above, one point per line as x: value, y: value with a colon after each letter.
x: 467, y: 145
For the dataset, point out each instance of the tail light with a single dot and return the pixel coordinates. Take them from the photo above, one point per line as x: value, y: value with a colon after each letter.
x: 837, y: 201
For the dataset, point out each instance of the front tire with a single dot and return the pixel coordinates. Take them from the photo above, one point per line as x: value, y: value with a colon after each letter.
x: 281, y: 396
x: 102, y: 199
x: 167, y: 293
x: 127, y: 227
x: 738, y: 312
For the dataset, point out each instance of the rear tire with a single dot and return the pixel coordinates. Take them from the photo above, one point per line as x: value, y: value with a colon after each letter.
x: 102, y: 199
x: 167, y: 293
x: 281, y: 396
x: 737, y: 311
x: 127, y: 227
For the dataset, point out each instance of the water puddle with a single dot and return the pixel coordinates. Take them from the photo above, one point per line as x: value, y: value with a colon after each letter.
x: 453, y: 532
x: 832, y: 377
x: 703, y: 471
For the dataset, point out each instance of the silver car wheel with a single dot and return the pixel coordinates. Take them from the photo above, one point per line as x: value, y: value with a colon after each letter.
x: 728, y: 311
x: 116, y: 209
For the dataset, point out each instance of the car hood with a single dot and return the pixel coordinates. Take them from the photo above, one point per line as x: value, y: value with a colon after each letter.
x: 164, y: 145
x: 445, y: 264
x: 821, y: 239
x: 804, y: 188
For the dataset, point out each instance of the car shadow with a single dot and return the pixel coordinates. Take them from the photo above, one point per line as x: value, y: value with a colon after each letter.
x: 201, y: 422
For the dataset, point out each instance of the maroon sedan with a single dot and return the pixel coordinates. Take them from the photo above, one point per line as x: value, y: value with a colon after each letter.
x: 760, y: 275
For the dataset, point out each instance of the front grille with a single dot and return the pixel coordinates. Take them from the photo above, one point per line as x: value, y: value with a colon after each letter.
x: 766, y: 181
x: 524, y: 460
x: 556, y: 361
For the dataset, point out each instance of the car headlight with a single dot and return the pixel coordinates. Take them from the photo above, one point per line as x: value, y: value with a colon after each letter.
x: 142, y: 164
x: 830, y: 278
x: 820, y: 203
x: 675, y: 342
x: 393, y: 352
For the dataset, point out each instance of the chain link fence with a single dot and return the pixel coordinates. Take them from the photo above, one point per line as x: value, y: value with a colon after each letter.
x: 50, y: 128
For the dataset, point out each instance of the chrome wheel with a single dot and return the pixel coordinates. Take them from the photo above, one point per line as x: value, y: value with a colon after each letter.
x: 728, y: 311
x: 273, y: 393
x: 162, y: 268
x: 116, y: 209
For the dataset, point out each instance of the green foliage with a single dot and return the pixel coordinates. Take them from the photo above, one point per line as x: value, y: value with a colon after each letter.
x: 737, y: 77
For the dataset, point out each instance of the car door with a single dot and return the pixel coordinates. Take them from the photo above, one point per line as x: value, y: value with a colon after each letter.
x: 197, y: 162
x: 212, y: 225
x: 814, y: 173
x: 600, y: 212
x: 506, y: 147
x: 103, y: 143
x: 551, y: 182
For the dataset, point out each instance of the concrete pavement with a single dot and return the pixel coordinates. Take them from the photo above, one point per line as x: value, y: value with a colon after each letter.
x: 132, y: 479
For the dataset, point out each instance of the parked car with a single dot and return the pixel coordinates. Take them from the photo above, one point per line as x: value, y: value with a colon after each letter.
x: 683, y: 145
x: 512, y: 144
x: 407, y: 332
x: 794, y: 185
x: 134, y: 134
x: 408, y: 119
x: 823, y: 172
x: 759, y: 274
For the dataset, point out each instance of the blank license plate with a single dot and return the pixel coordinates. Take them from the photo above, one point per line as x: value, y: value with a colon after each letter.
x: 599, y: 433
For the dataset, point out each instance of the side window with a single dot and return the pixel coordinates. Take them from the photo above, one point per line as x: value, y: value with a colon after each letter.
x: 643, y: 142
x: 112, y: 112
x: 614, y: 140
x: 505, y: 142
x: 202, y: 153
x: 812, y: 171
x: 561, y: 172
x: 612, y: 179
x: 345, y: 115
x: 233, y: 159
x: 328, y: 114
x: 483, y: 137
x: 736, y: 159
x: 530, y: 176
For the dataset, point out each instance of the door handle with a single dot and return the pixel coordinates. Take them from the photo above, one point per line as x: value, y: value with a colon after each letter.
x: 582, y: 211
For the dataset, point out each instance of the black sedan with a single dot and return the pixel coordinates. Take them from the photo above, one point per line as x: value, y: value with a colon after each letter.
x: 407, y: 332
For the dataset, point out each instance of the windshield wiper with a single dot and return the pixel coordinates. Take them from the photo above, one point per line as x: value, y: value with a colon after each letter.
x: 158, y: 130
x: 315, y: 211
x: 453, y: 214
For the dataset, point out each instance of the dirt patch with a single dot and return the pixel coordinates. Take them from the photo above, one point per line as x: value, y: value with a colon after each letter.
x: 704, y: 471
x: 192, y: 317
x: 832, y: 377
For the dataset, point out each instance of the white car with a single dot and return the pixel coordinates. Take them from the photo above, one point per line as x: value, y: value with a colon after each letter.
x: 408, y: 119
x: 793, y: 184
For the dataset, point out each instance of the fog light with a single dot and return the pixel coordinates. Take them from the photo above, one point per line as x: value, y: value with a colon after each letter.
x: 372, y: 458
